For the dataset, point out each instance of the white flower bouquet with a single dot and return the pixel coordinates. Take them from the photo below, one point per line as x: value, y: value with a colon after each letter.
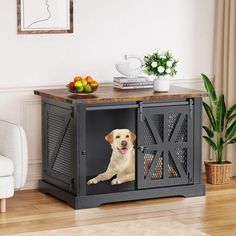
x: 160, y: 64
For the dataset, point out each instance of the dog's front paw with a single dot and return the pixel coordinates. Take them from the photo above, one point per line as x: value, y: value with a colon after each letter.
x: 92, y: 181
x: 116, y: 181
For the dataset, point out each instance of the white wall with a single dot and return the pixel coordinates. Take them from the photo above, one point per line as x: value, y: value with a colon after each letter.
x: 105, y: 30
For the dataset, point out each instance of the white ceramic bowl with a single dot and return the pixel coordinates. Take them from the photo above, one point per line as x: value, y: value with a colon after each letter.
x: 126, y: 69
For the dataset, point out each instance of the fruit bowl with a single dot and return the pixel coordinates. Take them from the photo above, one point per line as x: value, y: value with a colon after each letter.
x: 82, y: 86
x: 73, y: 90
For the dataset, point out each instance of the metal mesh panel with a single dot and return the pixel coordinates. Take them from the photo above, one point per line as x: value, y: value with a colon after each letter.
x: 148, y: 158
x: 181, y: 154
x: 158, y: 171
x: 172, y: 170
x: 63, y: 161
x: 158, y: 121
x: 183, y: 133
x: 172, y: 122
x: 169, y: 133
x: 55, y: 126
x: 148, y: 136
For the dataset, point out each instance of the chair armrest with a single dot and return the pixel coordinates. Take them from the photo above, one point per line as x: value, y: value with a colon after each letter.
x: 13, y: 145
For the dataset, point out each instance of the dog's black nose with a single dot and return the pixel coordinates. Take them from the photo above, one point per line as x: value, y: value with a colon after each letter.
x: 123, y: 143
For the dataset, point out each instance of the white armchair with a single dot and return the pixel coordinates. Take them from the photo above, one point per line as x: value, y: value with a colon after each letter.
x: 13, y: 160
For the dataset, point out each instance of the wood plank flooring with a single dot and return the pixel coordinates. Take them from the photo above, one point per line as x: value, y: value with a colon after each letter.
x: 214, y: 214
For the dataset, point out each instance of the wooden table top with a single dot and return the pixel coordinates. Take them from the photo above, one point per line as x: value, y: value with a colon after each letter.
x: 108, y: 94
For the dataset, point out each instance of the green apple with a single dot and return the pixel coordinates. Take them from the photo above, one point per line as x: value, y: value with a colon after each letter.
x: 78, y: 84
x: 87, y: 89
x: 79, y: 87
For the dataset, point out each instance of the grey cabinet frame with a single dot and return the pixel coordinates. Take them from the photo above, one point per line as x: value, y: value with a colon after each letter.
x: 73, y: 188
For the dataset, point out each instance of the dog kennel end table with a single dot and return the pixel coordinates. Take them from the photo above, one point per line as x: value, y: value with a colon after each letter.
x: 168, y: 147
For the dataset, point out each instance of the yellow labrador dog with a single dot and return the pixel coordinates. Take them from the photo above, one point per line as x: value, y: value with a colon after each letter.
x: 122, y: 163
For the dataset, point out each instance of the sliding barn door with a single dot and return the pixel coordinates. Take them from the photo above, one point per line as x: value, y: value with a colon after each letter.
x: 165, y: 140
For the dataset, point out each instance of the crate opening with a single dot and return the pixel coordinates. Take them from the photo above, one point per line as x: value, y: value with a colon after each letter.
x: 98, y: 150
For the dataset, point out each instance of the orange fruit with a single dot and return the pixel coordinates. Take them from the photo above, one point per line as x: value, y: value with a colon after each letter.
x: 94, y: 85
x: 77, y: 78
x: 89, y: 79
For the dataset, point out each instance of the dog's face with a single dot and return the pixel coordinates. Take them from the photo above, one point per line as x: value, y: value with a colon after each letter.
x: 121, y: 140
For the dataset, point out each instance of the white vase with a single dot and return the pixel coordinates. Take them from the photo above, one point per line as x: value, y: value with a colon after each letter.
x: 161, y: 84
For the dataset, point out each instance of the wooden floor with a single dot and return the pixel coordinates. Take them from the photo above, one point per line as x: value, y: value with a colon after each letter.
x: 214, y: 214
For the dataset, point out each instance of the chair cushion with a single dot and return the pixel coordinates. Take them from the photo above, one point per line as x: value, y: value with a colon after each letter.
x: 13, y: 145
x: 6, y: 166
x: 6, y: 187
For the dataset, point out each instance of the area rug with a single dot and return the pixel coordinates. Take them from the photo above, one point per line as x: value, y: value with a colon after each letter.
x: 149, y: 227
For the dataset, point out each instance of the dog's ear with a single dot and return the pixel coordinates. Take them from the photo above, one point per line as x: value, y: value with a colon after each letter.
x: 133, y: 136
x: 109, y: 137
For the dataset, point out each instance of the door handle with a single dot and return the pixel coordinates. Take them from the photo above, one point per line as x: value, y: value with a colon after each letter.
x: 142, y: 148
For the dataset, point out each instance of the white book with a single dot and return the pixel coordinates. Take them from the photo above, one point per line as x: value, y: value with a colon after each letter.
x: 133, y: 84
x: 134, y: 87
x: 130, y: 80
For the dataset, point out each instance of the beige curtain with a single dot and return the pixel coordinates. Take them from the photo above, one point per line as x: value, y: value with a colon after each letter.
x: 225, y: 60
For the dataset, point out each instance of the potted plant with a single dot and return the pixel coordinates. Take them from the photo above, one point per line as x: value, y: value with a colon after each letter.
x: 163, y: 66
x: 222, y: 132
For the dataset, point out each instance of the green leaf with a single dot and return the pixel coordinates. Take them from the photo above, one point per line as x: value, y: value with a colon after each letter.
x: 209, y: 131
x: 229, y: 120
x: 210, y: 142
x: 231, y: 131
x: 210, y: 115
x: 210, y: 89
x: 232, y: 141
x: 230, y: 111
x: 220, y: 114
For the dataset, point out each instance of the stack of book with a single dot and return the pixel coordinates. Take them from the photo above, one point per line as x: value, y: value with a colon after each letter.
x: 132, y: 83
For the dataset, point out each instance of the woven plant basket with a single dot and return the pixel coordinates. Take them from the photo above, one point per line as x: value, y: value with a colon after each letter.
x: 218, y: 173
